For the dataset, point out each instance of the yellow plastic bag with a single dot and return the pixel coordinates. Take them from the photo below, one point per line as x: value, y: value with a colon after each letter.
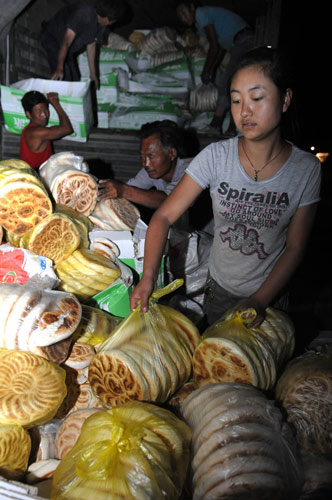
x: 148, y: 357
x: 137, y: 451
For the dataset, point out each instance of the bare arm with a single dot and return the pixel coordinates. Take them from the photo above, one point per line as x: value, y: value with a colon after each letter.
x: 173, y: 207
x: 297, y: 237
x: 109, y: 189
x: 37, y: 137
x: 66, y: 43
x: 214, y: 55
x: 91, y: 53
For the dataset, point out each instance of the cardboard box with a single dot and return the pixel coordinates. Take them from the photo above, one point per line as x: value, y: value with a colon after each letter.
x: 132, y: 117
x: 74, y: 97
x: 108, y: 61
x: 108, y: 91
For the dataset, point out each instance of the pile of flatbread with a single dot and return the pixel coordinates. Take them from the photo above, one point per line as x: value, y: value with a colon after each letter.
x: 203, y: 98
x: 67, y: 177
x: 232, y: 352
x: 119, y: 42
x: 135, y: 451
x: 24, y: 200
x: 144, y: 360
x: 116, y: 214
x: 241, y: 447
x: 57, y: 236
x: 159, y: 40
x: 34, y: 320
x: 86, y: 273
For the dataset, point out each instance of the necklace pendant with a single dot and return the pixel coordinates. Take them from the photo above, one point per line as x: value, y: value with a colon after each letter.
x: 256, y: 177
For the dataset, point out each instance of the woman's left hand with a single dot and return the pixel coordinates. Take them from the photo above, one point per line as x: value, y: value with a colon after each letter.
x: 252, y: 303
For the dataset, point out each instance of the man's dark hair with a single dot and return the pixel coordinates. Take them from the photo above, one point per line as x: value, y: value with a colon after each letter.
x: 114, y: 10
x: 30, y: 99
x: 170, y: 135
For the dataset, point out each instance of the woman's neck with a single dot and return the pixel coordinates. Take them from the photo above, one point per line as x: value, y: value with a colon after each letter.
x: 263, y: 150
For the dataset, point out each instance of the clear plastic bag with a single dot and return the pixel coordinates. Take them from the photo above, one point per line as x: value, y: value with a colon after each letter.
x: 95, y: 326
x: 135, y: 451
x: 33, y: 319
x: 67, y: 177
x: 232, y: 352
x: 241, y: 445
x: 148, y: 357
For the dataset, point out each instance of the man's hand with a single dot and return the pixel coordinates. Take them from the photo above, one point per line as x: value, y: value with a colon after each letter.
x: 58, y: 75
x: 109, y: 189
x: 53, y: 98
x: 206, y: 77
x: 95, y: 82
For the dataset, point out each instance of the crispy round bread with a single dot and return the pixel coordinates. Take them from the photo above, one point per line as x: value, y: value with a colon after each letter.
x: 55, y: 237
x: 115, y: 378
x: 76, y: 189
x: 22, y: 206
x: 31, y: 388
x: 69, y: 431
x: 15, y: 446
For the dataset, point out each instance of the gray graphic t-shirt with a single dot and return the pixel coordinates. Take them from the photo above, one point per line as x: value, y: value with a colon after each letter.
x: 251, y: 218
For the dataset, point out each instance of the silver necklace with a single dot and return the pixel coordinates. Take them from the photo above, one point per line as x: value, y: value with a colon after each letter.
x: 266, y: 164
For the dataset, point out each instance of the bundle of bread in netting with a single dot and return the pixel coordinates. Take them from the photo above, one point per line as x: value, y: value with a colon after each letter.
x: 229, y: 351
x: 241, y: 446
x: 148, y: 357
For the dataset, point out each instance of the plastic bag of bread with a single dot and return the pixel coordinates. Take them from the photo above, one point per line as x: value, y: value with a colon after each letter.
x: 305, y: 392
x: 232, y: 352
x: 95, y: 326
x: 136, y: 451
x: 67, y: 177
x: 148, y: 356
x: 32, y: 319
x: 241, y: 445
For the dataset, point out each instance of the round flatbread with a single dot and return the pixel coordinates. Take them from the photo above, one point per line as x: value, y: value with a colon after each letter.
x: 31, y: 388
x: 22, y: 206
x: 115, y: 378
x: 15, y: 447
x: 69, y: 431
x: 221, y: 360
x: 78, y: 190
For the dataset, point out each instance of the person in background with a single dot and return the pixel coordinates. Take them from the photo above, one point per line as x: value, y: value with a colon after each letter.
x: 226, y: 32
x: 264, y: 191
x: 36, y: 137
x: 74, y: 28
x: 161, y: 148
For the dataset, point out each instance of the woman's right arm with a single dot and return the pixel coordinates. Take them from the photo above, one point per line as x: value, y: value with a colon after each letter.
x: 171, y: 209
